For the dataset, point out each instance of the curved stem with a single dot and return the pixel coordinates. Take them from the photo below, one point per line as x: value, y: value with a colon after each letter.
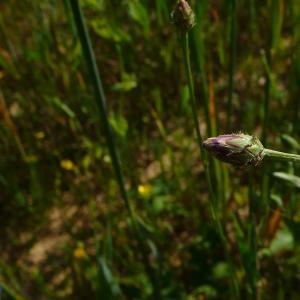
x: 203, y: 156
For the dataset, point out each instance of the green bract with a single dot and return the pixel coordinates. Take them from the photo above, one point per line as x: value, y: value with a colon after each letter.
x: 236, y: 149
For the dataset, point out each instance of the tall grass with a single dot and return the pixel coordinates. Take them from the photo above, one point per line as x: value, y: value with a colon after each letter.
x: 210, y: 232
x: 100, y: 100
x: 101, y: 104
x: 203, y: 156
x: 272, y: 43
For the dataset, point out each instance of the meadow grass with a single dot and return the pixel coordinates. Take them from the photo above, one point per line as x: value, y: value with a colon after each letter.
x: 166, y: 223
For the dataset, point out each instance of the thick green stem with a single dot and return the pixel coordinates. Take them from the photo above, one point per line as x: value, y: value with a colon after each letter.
x: 277, y: 155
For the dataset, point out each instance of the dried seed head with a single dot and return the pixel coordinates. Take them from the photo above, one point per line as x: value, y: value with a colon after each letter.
x: 183, y: 16
x: 237, y: 149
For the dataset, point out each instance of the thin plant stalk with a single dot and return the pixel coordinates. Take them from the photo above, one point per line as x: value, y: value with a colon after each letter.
x: 208, y: 103
x: 252, y: 237
x: 197, y: 38
x: 282, y: 156
x: 11, y: 125
x: 203, y: 156
x: 232, y: 61
x: 273, y: 40
x: 100, y: 100
x: 101, y: 104
x: 267, y: 59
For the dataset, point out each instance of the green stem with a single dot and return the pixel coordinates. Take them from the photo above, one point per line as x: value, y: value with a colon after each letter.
x: 277, y: 155
x: 100, y: 99
x: 232, y: 62
x: 252, y: 237
x: 265, y: 183
x: 198, y: 41
x: 187, y: 63
x: 267, y: 60
x: 203, y: 156
x: 210, y: 119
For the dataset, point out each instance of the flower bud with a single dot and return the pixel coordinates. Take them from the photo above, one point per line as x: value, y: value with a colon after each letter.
x: 183, y: 16
x: 236, y: 149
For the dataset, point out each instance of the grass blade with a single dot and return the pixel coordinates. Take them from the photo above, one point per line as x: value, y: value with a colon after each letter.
x: 100, y: 98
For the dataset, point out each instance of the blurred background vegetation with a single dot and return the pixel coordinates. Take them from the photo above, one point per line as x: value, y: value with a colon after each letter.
x: 65, y: 231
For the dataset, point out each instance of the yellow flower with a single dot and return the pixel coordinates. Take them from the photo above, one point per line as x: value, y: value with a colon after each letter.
x: 79, y: 252
x: 67, y: 165
x: 144, y: 189
x: 39, y: 135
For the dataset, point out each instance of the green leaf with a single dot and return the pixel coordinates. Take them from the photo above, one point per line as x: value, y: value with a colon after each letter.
x: 221, y: 270
x: 206, y: 290
x: 110, y: 288
x: 128, y: 83
x: 109, y: 31
x: 139, y: 13
x: 290, y: 141
x: 119, y: 124
x: 58, y: 103
x: 283, y: 241
x: 289, y: 178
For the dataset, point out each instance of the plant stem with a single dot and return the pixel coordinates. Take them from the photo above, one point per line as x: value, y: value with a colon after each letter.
x: 187, y: 63
x: 203, y: 156
x: 252, y: 237
x: 277, y: 155
x: 208, y: 103
x: 198, y: 41
x: 100, y: 100
x: 267, y: 96
x: 265, y: 180
x: 232, y: 61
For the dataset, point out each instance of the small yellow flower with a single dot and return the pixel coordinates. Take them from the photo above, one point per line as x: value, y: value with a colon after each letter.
x: 79, y: 252
x: 144, y: 189
x: 39, y: 135
x: 67, y: 165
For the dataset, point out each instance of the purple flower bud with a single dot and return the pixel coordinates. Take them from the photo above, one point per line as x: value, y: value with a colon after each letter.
x: 183, y: 16
x: 236, y: 149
